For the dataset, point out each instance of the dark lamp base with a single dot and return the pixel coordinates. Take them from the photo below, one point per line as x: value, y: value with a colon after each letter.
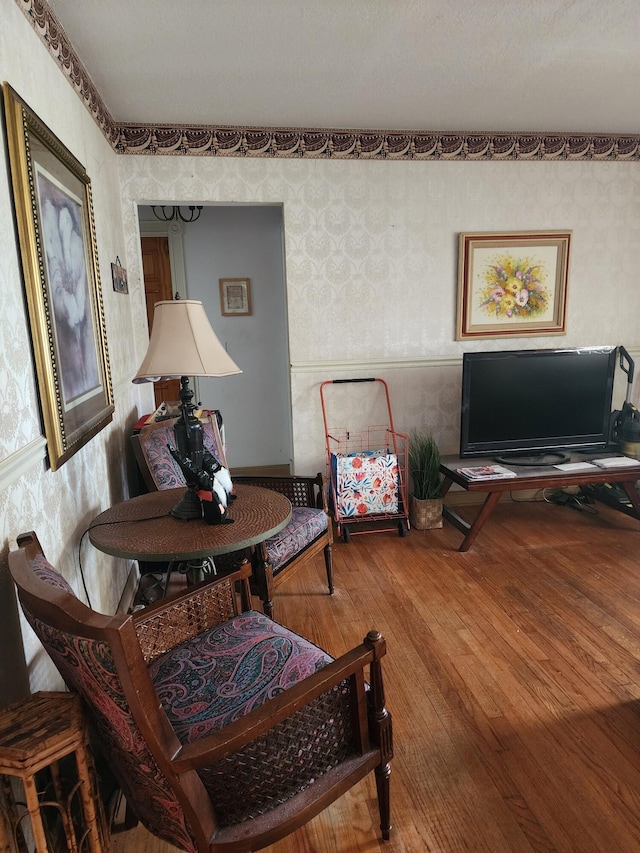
x: 189, y: 506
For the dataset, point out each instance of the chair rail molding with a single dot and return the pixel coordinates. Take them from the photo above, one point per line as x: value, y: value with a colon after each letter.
x: 371, y: 365
x: 18, y: 463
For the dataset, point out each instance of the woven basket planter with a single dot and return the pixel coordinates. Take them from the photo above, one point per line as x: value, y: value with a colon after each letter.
x: 425, y: 515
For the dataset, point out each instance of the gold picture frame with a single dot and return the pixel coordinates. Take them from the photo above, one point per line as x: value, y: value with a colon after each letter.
x: 512, y: 284
x: 235, y: 297
x: 56, y: 232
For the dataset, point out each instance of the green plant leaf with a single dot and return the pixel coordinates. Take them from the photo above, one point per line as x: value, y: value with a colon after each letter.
x: 424, y: 465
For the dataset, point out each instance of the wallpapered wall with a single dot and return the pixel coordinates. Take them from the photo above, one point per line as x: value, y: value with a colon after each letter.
x: 60, y: 505
x: 371, y: 273
x: 371, y: 264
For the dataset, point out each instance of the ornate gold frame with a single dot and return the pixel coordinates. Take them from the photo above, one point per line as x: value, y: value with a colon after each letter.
x: 56, y: 231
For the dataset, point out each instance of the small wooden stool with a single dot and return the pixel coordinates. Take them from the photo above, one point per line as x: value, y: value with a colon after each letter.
x: 35, y: 734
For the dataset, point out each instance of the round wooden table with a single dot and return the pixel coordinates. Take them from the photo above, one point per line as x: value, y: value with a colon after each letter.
x: 142, y: 529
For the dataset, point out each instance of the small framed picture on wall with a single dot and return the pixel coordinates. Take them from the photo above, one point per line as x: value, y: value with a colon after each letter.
x: 235, y: 297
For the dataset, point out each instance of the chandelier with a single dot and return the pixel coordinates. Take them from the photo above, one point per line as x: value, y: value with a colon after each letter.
x: 169, y: 213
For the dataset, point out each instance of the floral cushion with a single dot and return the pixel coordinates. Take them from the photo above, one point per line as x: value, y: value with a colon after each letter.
x: 365, y: 483
x: 306, y: 525
x: 217, y: 677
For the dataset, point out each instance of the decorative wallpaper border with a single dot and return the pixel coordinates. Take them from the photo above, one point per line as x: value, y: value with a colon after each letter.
x: 369, y: 145
x: 208, y: 140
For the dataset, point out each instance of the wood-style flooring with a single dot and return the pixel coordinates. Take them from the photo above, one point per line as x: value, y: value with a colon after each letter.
x: 513, y: 678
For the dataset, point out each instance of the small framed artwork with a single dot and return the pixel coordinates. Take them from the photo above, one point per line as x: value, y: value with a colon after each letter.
x: 235, y: 296
x: 54, y: 213
x: 512, y: 283
x: 119, y: 277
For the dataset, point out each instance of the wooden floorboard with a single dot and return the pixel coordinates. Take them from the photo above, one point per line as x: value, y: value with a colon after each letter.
x: 513, y: 678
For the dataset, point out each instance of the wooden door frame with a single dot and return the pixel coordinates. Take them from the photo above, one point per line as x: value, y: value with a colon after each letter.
x: 174, y: 232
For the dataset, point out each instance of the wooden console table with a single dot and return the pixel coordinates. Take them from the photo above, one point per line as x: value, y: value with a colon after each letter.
x: 543, y: 477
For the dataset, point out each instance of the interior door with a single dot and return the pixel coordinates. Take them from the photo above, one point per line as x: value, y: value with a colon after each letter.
x: 156, y: 268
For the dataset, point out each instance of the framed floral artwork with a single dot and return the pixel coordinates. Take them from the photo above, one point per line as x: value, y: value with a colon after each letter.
x: 54, y: 215
x: 512, y: 284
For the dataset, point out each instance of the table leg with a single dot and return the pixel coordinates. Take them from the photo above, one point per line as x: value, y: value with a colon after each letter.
x: 199, y: 570
x: 446, y: 485
x: 473, y: 529
x: 33, y: 808
x: 94, y: 818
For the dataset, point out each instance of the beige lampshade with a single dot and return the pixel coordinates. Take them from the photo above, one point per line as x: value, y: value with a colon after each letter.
x: 183, y: 343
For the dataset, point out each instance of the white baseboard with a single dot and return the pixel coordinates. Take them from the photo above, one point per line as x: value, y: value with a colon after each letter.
x: 128, y: 593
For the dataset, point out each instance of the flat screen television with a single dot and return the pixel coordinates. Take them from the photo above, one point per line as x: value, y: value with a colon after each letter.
x: 525, y: 404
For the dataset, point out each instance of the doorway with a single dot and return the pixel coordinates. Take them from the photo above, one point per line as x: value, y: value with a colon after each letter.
x: 158, y: 287
x: 247, y: 242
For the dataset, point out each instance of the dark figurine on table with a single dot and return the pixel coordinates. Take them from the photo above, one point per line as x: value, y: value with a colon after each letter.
x: 212, y: 484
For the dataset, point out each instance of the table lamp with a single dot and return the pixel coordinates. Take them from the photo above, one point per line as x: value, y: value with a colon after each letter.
x: 183, y: 344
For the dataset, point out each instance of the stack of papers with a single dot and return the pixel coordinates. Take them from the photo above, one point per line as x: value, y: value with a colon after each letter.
x: 576, y: 466
x: 616, y: 462
x: 487, y: 472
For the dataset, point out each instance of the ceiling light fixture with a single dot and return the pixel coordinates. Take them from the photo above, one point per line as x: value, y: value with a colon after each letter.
x: 169, y: 213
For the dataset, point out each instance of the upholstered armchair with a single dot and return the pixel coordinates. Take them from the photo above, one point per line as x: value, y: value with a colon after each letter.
x: 309, y: 531
x: 225, y: 730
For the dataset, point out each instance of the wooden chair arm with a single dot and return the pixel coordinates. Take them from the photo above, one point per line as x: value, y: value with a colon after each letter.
x: 167, y: 623
x: 214, y: 747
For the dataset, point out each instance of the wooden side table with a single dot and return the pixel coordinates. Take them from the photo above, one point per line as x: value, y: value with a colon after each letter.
x: 142, y: 528
x: 36, y: 734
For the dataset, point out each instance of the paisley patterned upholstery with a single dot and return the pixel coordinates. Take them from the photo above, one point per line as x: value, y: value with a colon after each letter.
x: 227, y: 671
x: 164, y: 469
x: 210, y: 682
x: 43, y: 569
x: 224, y: 729
x: 307, y: 523
x: 88, y: 668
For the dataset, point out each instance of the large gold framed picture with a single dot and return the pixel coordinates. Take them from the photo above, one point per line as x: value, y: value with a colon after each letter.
x: 512, y: 284
x: 54, y: 214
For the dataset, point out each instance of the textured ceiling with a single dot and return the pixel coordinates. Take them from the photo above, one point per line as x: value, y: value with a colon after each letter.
x: 568, y: 66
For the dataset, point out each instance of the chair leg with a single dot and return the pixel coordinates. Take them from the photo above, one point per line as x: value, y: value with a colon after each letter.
x: 328, y: 561
x: 263, y: 574
x: 382, y: 774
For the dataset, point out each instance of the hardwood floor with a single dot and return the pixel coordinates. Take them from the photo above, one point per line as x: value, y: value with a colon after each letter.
x: 513, y: 678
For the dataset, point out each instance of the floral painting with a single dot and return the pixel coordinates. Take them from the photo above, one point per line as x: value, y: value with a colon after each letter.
x: 512, y: 284
x: 514, y: 287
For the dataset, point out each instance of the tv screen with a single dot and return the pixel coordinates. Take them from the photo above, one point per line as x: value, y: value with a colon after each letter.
x: 530, y: 401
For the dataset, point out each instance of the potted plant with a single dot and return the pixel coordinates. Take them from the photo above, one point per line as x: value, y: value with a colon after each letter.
x: 425, y: 503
